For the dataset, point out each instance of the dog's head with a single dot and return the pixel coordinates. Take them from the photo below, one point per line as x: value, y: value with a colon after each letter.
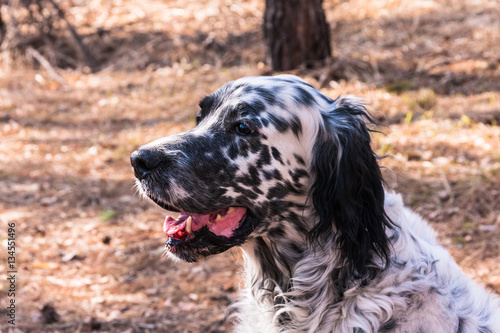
x: 263, y: 149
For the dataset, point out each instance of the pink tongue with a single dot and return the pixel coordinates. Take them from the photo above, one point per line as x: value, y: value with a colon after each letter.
x: 223, y: 227
x: 229, y: 223
x: 171, y: 226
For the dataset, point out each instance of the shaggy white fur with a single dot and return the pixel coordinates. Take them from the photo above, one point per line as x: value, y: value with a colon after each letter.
x: 423, y: 290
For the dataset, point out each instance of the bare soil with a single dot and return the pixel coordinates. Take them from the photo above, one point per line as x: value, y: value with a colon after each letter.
x: 89, y: 250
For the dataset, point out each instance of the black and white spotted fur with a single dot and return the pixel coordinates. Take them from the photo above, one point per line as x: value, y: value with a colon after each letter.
x: 326, y: 248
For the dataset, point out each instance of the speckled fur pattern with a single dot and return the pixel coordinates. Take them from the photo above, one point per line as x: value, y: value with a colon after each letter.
x: 326, y: 248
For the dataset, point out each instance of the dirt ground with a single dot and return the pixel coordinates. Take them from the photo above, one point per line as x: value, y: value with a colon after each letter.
x: 89, y: 250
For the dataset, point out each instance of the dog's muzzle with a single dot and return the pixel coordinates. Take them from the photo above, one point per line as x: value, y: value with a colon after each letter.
x: 198, y: 231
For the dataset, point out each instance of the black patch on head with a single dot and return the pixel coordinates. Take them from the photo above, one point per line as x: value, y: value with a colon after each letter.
x: 250, y: 179
x: 257, y: 190
x: 253, y: 175
x: 279, y: 207
x: 303, y: 96
x: 282, y: 125
x: 278, y: 191
x: 248, y: 194
x: 244, y: 148
x: 276, y: 154
x: 268, y: 95
x: 268, y: 175
x: 258, y: 123
x: 233, y: 151
x: 292, y: 188
x: 226, y: 175
x: 278, y: 122
x: 264, y: 157
x: 299, y: 159
x: 273, y: 174
x: 297, y: 174
x: 254, y: 107
x: 256, y: 145
x: 296, y: 126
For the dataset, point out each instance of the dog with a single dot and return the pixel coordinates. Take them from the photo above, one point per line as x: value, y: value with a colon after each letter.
x: 288, y: 174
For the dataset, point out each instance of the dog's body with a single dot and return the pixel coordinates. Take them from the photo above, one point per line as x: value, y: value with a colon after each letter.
x: 288, y: 174
x: 423, y: 290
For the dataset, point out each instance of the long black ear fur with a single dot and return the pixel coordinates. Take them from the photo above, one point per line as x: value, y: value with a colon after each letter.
x: 347, y: 190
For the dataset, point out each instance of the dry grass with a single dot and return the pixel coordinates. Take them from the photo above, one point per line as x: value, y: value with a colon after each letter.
x: 91, y: 250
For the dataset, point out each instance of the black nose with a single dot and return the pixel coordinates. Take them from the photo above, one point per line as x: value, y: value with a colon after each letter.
x: 144, y: 162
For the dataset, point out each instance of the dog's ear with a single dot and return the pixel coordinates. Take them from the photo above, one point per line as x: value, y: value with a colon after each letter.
x: 347, y: 189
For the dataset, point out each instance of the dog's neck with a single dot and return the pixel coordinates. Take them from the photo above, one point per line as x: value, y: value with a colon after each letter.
x: 282, y: 254
x: 283, y: 283
x: 268, y: 271
x: 285, y: 273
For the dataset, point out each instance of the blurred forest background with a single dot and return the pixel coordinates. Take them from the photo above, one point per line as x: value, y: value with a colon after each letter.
x: 83, y: 83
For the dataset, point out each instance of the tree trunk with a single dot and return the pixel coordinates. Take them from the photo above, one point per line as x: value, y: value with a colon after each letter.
x: 296, y: 33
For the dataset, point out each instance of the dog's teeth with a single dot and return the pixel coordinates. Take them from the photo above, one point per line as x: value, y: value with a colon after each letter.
x: 189, y: 221
x: 230, y: 210
x: 218, y: 218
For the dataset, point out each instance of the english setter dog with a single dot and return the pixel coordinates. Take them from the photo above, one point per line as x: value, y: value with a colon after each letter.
x: 288, y: 174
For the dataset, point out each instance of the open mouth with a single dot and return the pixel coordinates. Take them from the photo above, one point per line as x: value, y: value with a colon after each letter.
x: 222, y: 222
x: 193, y: 236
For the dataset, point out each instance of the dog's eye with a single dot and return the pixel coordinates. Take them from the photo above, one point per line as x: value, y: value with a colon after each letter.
x: 198, y: 119
x: 242, y: 129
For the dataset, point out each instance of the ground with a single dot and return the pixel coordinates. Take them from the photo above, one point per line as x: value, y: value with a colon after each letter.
x: 89, y: 251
